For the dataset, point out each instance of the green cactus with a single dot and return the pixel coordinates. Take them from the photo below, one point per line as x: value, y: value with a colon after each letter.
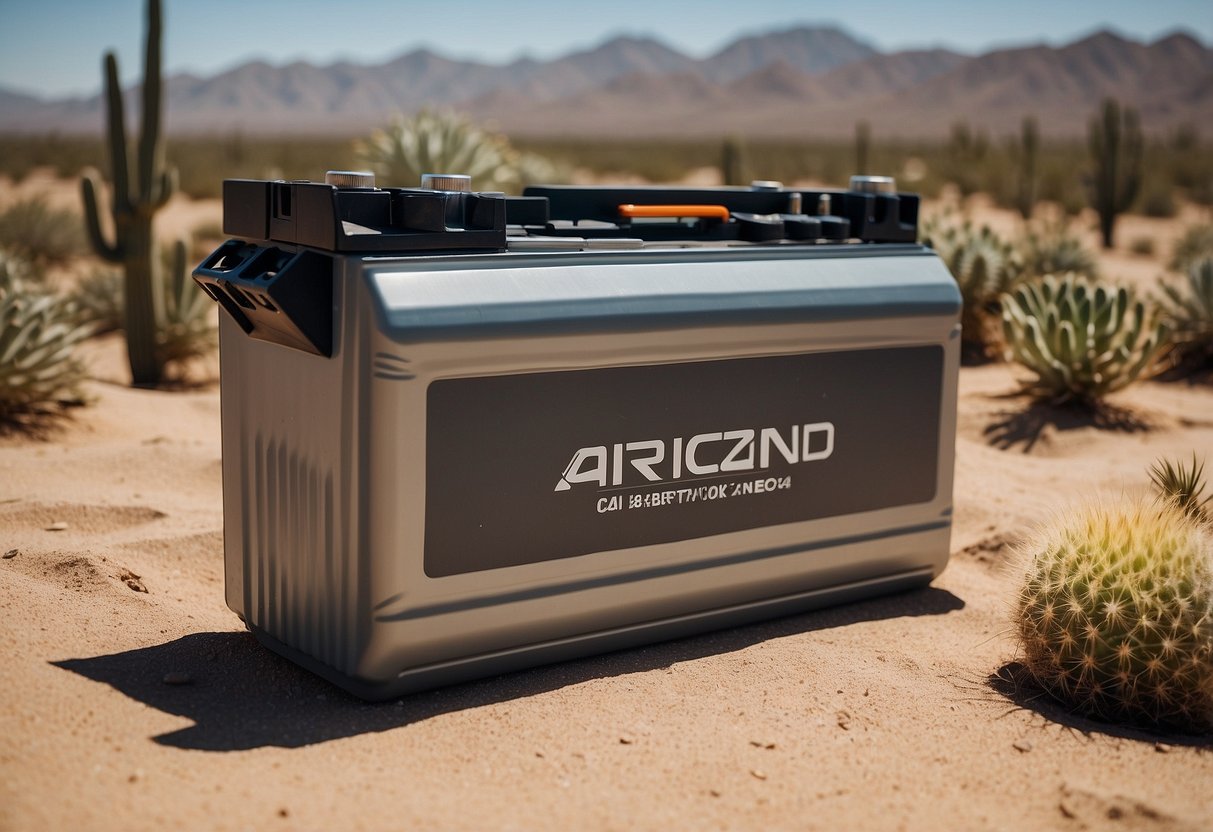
x: 732, y: 162
x: 1115, y: 614
x: 1082, y: 340
x: 863, y: 144
x: 984, y: 266
x: 1050, y: 248
x: 38, y: 335
x: 1194, y: 245
x: 1116, y: 145
x: 1029, y: 147
x: 1189, y: 308
x: 133, y: 209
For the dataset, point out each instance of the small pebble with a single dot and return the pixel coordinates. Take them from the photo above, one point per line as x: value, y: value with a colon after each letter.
x: 626, y: 740
x: 282, y: 813
x: 762, y: 744
x: 1022, y: 746
x: 844, y: 720
x: 56, y: 527
x: 11, y: 553
x: 761, y: 775
x: 714, y: 792
x: 1162, y: 748
x: 177, y: 677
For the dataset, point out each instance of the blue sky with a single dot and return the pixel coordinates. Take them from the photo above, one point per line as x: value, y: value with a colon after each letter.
x: 54, y: 47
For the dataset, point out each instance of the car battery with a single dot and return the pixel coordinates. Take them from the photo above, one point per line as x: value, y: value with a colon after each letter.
x: 465, y: 433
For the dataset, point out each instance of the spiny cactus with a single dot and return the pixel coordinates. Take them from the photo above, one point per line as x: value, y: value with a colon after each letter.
x: 1029, y: 147
x: 1051, y: 248
x: 1184, y: 485
x: 38, y: 334
x: 134, y: 245
x: 440, y: 141
x: 1189, y: 307
x: 984, y: 266
x: 1115, y: 614
x: 1116, y: 146
x: 1082, y: 340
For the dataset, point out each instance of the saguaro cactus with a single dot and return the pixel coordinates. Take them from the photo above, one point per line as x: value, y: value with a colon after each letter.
x: 732, y: 162
x: 1029, y: 145
x: 1116, y: 149
x: 134, y: 205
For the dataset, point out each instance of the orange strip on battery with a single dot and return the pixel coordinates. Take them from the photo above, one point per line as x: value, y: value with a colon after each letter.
x: 715, y: 212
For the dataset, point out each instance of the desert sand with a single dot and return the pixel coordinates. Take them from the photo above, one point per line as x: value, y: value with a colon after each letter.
x: 134, y: 699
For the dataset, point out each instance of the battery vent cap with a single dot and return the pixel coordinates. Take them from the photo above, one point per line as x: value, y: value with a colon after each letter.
x: 350, y: 178
x: 873, y: 184
x: 447, y: 182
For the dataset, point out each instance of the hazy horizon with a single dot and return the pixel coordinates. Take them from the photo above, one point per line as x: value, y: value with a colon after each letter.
x: 208, y: 39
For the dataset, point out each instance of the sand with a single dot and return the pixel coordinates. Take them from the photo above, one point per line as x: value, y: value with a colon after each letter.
x: 133, y: 699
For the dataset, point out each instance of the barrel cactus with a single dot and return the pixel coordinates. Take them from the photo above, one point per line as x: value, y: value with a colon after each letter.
x: 38, y: 335
x: 1115, y: 614
x: 1189, y: 308
x: 984, y: 266
x: 1082, y: 340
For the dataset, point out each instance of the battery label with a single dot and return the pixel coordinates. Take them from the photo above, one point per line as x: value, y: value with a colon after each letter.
x: 536, y: 467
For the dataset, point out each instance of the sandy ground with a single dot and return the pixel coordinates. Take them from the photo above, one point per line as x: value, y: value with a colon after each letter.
x: 903, y: 712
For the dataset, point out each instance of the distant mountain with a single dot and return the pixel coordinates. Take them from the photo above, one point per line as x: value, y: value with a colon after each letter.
x: 807, y: 81
x: 810, y: 50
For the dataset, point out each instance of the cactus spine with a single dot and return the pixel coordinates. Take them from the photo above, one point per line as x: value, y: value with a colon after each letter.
x: 133, y: 209
x: 1116, y: 149
x: 1029, y: 145
x: 1115, y: 614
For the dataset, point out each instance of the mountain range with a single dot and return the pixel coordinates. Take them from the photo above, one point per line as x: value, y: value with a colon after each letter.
x: 804, y: 82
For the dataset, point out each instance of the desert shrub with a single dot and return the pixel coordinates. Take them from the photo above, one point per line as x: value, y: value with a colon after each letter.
x: 1052, y: 248
x: 1189, y: 309
x: 984, y: 266
x: 45, y: 236
x: 1081, y: 340
x: 1115, y: 614
x: 38, y: 335
x: 435, y: 141
x: 1196, y: 244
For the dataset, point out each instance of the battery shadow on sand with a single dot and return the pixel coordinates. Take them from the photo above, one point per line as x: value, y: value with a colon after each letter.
x: 242, y: 696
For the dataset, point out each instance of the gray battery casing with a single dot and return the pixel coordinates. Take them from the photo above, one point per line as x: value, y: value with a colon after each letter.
x: 325, y: 458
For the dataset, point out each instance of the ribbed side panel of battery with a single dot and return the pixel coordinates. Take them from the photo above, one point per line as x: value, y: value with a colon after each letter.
x: 299, y: 591
x: 290, y: 546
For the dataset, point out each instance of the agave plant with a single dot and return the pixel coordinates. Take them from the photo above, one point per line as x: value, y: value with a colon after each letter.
x: 1183, y: 484
x: 1082, y: 340
x: 38, y: 335
x: 984, y: 266
x: 439, y: 141
x: 1189, y: 307
x: 1195, y: 245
